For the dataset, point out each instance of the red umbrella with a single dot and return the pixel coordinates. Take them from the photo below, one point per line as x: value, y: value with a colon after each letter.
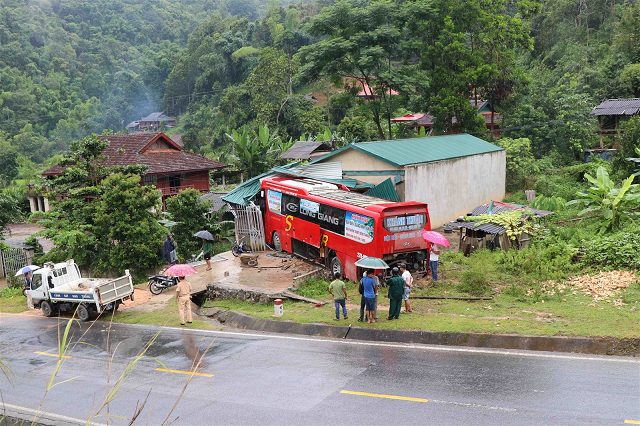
x: 180, y: 270
x: 436, y: 238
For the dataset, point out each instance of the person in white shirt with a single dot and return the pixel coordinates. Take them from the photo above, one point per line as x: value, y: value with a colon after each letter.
x: 433, y: 261
x: 408, y: 285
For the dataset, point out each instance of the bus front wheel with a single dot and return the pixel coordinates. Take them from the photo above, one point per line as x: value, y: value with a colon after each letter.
x: 277, y: 243
x: 336, y: 267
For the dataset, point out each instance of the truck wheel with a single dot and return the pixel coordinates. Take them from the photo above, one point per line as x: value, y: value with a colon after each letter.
x: 277, y: 242
x: 154, y: 288
x: 83, y: 313
x: 336, y: 266
x: 47, y: 310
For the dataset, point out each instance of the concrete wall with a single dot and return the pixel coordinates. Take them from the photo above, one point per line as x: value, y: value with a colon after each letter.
x: 453, y: 188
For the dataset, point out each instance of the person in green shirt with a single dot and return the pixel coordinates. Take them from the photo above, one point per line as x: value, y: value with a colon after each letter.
x: 396, y: 290
x: 339, y: 292
x: 206, y: 249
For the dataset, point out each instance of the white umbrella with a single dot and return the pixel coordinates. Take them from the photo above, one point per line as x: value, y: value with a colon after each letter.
x: 28, y: 268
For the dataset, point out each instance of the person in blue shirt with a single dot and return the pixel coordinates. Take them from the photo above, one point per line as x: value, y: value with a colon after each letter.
x: 370, y: 289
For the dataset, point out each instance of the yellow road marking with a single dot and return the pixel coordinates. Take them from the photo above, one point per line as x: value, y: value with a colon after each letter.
x: 632, y: 422
x: 48, y: 354
x: 377, y: 395
x: 184, y: 372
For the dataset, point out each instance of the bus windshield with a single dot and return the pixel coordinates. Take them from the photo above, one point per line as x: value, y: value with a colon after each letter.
x: 404, y: 223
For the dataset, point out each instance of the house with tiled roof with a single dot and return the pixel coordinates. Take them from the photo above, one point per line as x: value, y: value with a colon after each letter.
x: 170, y: 168
x: 152, y: 123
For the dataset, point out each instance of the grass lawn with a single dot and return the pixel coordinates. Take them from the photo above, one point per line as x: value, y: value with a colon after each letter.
x: 510, y: 312
x: 12, y: 301
x: 167, y: 317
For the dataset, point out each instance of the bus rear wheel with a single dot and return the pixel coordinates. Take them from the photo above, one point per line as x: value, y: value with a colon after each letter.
x: 336, y: 267
x: 277, y: 242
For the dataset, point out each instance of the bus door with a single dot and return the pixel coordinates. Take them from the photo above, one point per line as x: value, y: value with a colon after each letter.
x: 306, y: 232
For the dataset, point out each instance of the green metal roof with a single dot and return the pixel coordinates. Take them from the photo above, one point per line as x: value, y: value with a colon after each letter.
x: 244, y: 193
x: 385, y: 189
x: 247, y: 191
x: 403, y: 152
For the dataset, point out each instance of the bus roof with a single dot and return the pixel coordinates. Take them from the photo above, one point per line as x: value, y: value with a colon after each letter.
x: 348, y: 197
x: 333, y: 192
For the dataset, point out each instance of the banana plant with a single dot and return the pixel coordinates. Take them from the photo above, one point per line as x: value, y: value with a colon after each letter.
x: 614, y: 203
x: 255, y: 152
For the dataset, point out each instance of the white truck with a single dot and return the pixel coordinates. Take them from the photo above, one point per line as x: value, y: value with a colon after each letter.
x: 60, y: 288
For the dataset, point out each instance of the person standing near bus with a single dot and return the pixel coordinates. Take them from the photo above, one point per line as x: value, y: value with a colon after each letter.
x: 433, y: 261
x: 396, y: 291
x: 339, y: 292
x: 369, y: 295
x: 408, y: 285
x: 377, y: 278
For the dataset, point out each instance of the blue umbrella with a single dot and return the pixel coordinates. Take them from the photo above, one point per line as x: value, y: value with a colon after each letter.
x: 28, y: 268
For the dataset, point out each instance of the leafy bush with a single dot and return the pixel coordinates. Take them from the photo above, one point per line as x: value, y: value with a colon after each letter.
x: 189, y: 212
x: 475, y: 282
x: 552, y: 204
x: 32, y: 241
x: 314, y: 289
x: 9, y: 292
x: 481, y: 268
x: 540, y: 262
x: 620, y: 250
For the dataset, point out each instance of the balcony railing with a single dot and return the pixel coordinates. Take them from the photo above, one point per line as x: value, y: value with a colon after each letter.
x: 174, y: 190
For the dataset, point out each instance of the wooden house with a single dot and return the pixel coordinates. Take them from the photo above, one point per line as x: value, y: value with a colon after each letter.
x: 171, y: 169
x: 610, y: 113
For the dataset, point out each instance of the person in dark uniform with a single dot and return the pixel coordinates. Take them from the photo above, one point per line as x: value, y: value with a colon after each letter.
x: 396, y: 290
x: 168, y: 250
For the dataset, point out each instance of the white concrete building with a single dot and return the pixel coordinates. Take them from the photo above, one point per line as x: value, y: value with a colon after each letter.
x: 452, y: 174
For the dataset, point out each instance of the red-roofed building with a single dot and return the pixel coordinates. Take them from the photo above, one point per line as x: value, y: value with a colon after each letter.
x: 368, y: 94
x: 426, y: 120
x: 171, y: 169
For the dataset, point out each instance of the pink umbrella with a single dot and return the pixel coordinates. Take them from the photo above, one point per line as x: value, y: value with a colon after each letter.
x: 180, y: 270
x: 436, y: 238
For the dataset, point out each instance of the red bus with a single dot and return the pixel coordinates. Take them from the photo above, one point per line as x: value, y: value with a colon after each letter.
x: 329, y: 224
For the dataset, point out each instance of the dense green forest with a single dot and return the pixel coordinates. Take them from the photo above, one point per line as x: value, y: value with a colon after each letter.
x: 72, y: 67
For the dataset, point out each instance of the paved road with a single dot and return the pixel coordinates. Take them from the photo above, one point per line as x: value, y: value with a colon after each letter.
x: 251, y: 378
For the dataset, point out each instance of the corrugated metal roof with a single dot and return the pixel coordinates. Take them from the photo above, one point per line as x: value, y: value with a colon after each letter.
x: 247, y: 191
x: 403, y: 152
x: 302, y: 150
x: 629, y: 106
x: 385, y: 189
x: 489, y: 228
x: 328, y: 170
x: 348, y: 182
x: 477, y: 211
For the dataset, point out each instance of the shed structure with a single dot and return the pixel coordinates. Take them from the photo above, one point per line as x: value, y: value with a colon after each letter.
x: 307, y: 150
x: 475, y: 236
x: 609, y: 113
x: 452, y: 174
